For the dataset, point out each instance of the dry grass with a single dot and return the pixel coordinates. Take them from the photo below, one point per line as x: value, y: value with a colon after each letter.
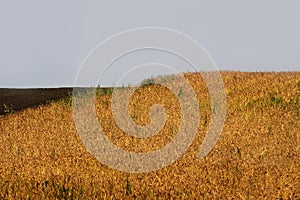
x: 256, y: 157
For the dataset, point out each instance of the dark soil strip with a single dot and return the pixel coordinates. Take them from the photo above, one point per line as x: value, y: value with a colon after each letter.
x: 18, y: 99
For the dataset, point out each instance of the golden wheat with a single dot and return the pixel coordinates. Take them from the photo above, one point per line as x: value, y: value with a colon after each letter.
x: 256, y: 157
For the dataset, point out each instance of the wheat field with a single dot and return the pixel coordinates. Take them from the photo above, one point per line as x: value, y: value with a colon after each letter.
x: 256, y: 156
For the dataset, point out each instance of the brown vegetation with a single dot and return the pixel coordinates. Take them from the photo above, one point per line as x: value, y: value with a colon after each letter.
x: 256, y: 157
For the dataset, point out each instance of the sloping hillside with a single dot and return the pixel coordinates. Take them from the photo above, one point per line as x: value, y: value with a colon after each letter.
x: 256, y: 156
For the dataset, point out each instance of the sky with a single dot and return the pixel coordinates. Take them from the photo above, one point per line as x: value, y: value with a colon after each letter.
x: 44, y: 43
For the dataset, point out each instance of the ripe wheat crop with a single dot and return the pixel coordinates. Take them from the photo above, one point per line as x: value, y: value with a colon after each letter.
x: 256, y: 156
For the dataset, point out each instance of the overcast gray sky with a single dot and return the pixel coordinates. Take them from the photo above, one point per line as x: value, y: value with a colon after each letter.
x: 43, y: 43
